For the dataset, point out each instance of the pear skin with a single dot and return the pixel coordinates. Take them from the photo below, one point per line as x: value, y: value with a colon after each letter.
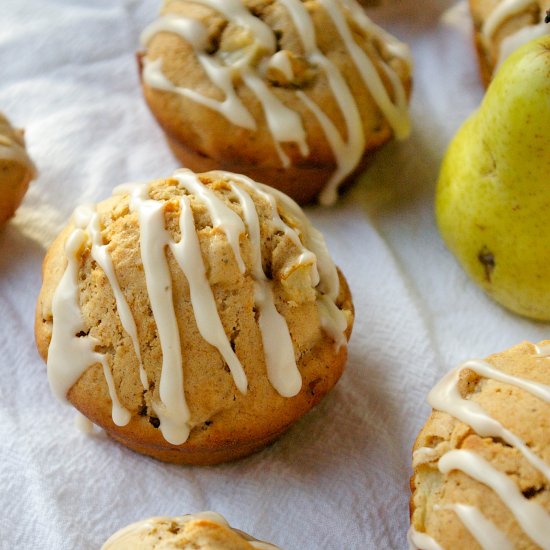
x: 493, y: 193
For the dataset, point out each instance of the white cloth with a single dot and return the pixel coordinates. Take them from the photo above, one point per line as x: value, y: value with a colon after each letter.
x: 339, y: 478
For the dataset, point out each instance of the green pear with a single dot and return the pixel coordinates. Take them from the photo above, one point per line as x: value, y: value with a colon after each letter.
x: 493, y: 194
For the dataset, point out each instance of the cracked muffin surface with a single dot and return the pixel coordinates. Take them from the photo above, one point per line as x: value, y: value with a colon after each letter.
x: 291, y: 93
x: 193, y: 318
x: 481, y: 463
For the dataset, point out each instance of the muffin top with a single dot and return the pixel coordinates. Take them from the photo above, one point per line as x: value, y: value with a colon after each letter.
x: 198, y: 297
x: 292, y: 82
x: 202, y: 531
x: 482, y: 461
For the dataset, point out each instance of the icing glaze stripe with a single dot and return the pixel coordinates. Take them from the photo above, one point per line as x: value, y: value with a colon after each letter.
x: 323, y: 271
x: 222, y: 216
x: 532, y: 517
x: 172, y: 410
x: 446, y: 397
x: 188, y: 255
x: 87, y: 218
x: 347, y: 153
x: 421, y: 541
x: 329, y: 282
x: 396, y: 114
x: 71, y: 349
x: 486, y: 533
x: 282, y: 371
x: 542, y: 391
x: 284, y: 123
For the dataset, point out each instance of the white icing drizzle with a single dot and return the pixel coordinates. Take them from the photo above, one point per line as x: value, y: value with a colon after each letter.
x: 423, y: 456
x: 324, y: 274
x: 83, y: 424
x: 286, y: 125
x: 446, y: 397
x: 222, y: 217
x: 501, y: 13
x: 172, y: 410
x: 282, y: 371
x: 269, y: 194
x: 542, y: 391
x: 532, y: 517
x: 327, y: 274
x: 421, y: 541
x: 187, y: 253
x: 329, y: 282
x: 395, y: 113
x: 71, y: 351
x: 231, y: 107
x: 237, y: 12
x: 543, y: 350
x: 190, y: 30
x: 486, y: 533
x: 332, y: 320
x: 87, y: 218
x: 347, y: 152
x: 142, y: 528
x: 195, y: 33
x: 126, y: 188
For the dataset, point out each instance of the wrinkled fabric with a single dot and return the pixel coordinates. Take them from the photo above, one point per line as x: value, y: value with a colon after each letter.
x: 339, y: 477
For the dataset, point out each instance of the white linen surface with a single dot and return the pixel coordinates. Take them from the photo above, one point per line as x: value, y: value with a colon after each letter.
x: 339, y: 478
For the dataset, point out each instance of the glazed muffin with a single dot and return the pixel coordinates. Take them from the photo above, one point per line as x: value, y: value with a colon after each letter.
x: 501, y: 26
x: 482, y: 461
x: 202, y: 531
x: 16, y: 169
x: 293, y: 94
x: 193, y: 318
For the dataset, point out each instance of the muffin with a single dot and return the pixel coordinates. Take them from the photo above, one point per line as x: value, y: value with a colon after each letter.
x: 482, y: 461
x: 194, y: 318
x: 16, y: 169
x: 202, y: 531
x: 293, y: 94
x: 501, y: 26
